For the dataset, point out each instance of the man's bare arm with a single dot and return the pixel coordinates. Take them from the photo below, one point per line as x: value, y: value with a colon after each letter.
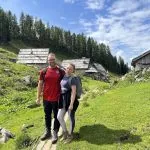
x: 39, y: 91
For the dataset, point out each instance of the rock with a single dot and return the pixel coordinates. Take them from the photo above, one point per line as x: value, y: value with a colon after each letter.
x: 5, y: 135
x: 105, y: 91
x: 7, y: 70
x: 4, y: 139
x: 148, y: 70
x: 123, y: 78
x: 139, y: 79
x: 136, y: 76
x: 144, y: 71
x: 137, y: 68
x: 27, y: 80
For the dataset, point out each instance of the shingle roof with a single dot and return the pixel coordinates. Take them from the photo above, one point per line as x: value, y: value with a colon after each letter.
x: 82, y: 63
x: 99, y: 67
x: 33, y: 56
x: 139, y: 57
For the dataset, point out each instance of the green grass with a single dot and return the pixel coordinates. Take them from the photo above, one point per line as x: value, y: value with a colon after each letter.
x: 110, y: 116
x: 15, y: 96
x: 105, y: 114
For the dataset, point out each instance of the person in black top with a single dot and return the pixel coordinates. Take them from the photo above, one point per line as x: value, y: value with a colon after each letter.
x: 68, y: 102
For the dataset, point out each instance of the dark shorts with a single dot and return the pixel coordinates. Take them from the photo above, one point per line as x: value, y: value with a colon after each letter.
x: 66, y: 98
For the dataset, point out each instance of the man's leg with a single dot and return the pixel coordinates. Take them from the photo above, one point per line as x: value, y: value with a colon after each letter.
x: 56, y: 122
x: 47, y: 110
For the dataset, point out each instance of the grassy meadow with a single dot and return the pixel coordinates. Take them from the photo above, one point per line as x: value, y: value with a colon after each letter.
x: 109, y: 117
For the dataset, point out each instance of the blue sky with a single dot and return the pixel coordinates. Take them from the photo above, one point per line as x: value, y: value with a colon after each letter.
x: 122, y: 24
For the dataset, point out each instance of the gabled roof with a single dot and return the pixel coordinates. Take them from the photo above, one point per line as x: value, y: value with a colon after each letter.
x: 139, y: 57
x: 99, y: 67
x: 33, y: 56
x: 82, y: 63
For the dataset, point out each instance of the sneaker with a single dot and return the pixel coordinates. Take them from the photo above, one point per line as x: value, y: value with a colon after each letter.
x: 54, y: 137
x: 46, y: 135
x: 69, y: 139
x: 65, y: 135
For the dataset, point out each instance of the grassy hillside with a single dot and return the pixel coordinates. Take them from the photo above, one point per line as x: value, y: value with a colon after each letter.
x: 16, y: 96
x: 118, y: 119
x: 108, y: 118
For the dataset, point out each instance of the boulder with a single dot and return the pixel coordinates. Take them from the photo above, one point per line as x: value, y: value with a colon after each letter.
x: 7, y: 70
x: 144, y: 71
x: 5, y: 135
x: 139, y: 79
x: 148, y: 70
x: 27, y: 80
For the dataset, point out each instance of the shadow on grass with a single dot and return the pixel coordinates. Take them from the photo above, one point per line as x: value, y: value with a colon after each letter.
x: 99, y: 134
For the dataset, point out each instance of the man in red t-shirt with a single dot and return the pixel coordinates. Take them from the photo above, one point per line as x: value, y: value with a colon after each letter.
x: 49, y: 88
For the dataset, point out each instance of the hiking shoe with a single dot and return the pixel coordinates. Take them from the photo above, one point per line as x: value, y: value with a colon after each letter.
x: 46, y: 135
x: 69, y: 139
x: 54, y: 137
x: 65, y: 135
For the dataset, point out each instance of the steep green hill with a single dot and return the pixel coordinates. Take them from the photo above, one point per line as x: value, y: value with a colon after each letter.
x: 18, y: 84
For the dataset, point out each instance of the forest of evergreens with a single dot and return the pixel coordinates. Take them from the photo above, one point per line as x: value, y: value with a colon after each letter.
x: 37, y: 34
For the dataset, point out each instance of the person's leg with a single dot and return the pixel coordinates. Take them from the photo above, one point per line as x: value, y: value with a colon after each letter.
x: 72, y: 125
x: 56, y: 122
x: 55, y: 111
x: 47, y: 110
x: 60, y: 116
x: 72, y: 121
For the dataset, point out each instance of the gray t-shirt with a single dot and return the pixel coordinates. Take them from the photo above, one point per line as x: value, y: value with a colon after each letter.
x: 65, y: 85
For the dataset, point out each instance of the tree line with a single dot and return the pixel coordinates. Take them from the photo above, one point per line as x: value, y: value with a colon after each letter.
x: 38, y: 34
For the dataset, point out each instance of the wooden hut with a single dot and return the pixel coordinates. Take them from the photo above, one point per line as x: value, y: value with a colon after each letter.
x: 85, y: 67
x: 80, y: 64
x: 142, y: 61
x: 36, y: 57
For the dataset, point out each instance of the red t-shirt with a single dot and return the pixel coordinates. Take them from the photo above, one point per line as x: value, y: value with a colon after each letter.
x: 51, y: 90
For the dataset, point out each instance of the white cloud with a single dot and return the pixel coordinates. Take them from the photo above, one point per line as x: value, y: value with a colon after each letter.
x: 120, y: 53
x: 121, y: 6
x: 85, y: 23
x: 95, y: 4
x: 128, y: 32
x: 69, y: 1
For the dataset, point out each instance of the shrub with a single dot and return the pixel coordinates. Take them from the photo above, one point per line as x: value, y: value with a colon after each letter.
x: 20, y: 87
x: 147, y: 75
x: 23, y: 141
x: 18, y: 99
